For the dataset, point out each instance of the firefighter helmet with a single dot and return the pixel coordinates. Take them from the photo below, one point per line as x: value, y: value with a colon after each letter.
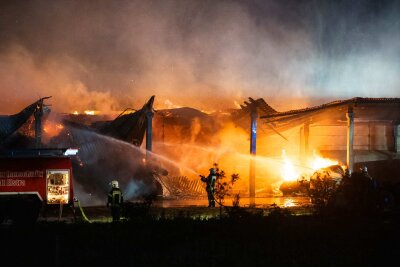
x: 364, y: 169
x: 114, y: 184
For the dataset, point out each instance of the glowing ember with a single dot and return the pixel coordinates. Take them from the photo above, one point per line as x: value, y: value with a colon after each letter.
x: 289, y: 203
x: 86, y: 112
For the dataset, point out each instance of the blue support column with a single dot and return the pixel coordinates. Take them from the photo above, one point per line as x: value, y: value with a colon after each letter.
x: 253, y: 146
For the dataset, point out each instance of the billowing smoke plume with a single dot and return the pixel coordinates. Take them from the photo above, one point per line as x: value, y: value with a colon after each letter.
x: 108, y: 55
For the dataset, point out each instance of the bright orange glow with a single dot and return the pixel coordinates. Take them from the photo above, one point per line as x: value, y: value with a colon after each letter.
x: 288, y: 171
x: 91, y: 112
x: 51, y: 129
x: 87, y: 112
x: 319, y: 162
x: 289, y: 203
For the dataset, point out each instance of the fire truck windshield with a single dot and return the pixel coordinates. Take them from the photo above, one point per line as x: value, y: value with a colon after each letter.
x: 57, y: 186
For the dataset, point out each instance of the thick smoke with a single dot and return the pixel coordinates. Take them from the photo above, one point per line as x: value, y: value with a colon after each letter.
x: 102, y: 159
x: 108, y: 55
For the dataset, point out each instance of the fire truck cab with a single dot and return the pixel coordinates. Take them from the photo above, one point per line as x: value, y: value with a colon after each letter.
x: 32, y: 181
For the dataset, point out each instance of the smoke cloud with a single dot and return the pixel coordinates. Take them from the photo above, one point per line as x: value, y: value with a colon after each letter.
x: 108, y: 55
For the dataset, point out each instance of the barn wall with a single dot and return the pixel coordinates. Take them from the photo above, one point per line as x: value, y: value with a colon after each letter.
x: 367, y: 136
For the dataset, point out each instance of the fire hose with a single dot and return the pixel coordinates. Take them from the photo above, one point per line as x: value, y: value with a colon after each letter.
x: 82, y: 212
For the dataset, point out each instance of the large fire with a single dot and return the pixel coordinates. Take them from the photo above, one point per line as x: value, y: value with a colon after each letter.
x: 288, y: 170
x: 291, y: 173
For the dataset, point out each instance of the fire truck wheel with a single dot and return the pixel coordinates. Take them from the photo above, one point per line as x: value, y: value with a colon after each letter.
x: 2, y: 214
x: 25, y: 212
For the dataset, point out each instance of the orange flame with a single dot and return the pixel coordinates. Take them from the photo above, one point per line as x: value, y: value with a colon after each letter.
x: 86, y: 112
x: 319, y: 162
x: 91, y: 112
x: 290, y: 173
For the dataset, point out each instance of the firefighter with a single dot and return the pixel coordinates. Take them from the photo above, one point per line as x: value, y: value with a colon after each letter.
x: 364, y: 171
x: 210, y: 186
x: 115, y: 199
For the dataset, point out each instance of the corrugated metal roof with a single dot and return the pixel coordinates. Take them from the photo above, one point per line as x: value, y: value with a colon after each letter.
x: 129, y: 127
x: 262, y: 107
x: 352, y: 101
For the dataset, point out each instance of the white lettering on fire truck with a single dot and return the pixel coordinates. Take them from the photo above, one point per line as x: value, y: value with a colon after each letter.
x: 21, y: 174
x: 12, y: 182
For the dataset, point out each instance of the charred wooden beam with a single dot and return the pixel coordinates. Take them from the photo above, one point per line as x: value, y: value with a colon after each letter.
x: 149, y: 130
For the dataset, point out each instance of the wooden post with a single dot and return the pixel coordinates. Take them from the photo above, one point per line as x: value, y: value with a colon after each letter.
x: 38, y: 114
x: 149, y: 132
x: 350, y: 139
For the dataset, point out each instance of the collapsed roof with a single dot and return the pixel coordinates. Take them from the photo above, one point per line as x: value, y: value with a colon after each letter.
x: 129, y: 127
x: 11, y: 123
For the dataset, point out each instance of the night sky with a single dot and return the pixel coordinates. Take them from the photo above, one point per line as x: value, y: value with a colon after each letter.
x: 108, y: 55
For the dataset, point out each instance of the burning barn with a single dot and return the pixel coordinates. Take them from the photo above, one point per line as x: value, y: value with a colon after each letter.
x: 283, y: 145
x: 352, y: 132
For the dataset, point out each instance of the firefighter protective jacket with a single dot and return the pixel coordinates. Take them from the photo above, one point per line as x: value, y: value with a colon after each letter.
x: 115, y: 197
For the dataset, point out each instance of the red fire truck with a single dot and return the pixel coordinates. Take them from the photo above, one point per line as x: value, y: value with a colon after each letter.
x: 32, y: 181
